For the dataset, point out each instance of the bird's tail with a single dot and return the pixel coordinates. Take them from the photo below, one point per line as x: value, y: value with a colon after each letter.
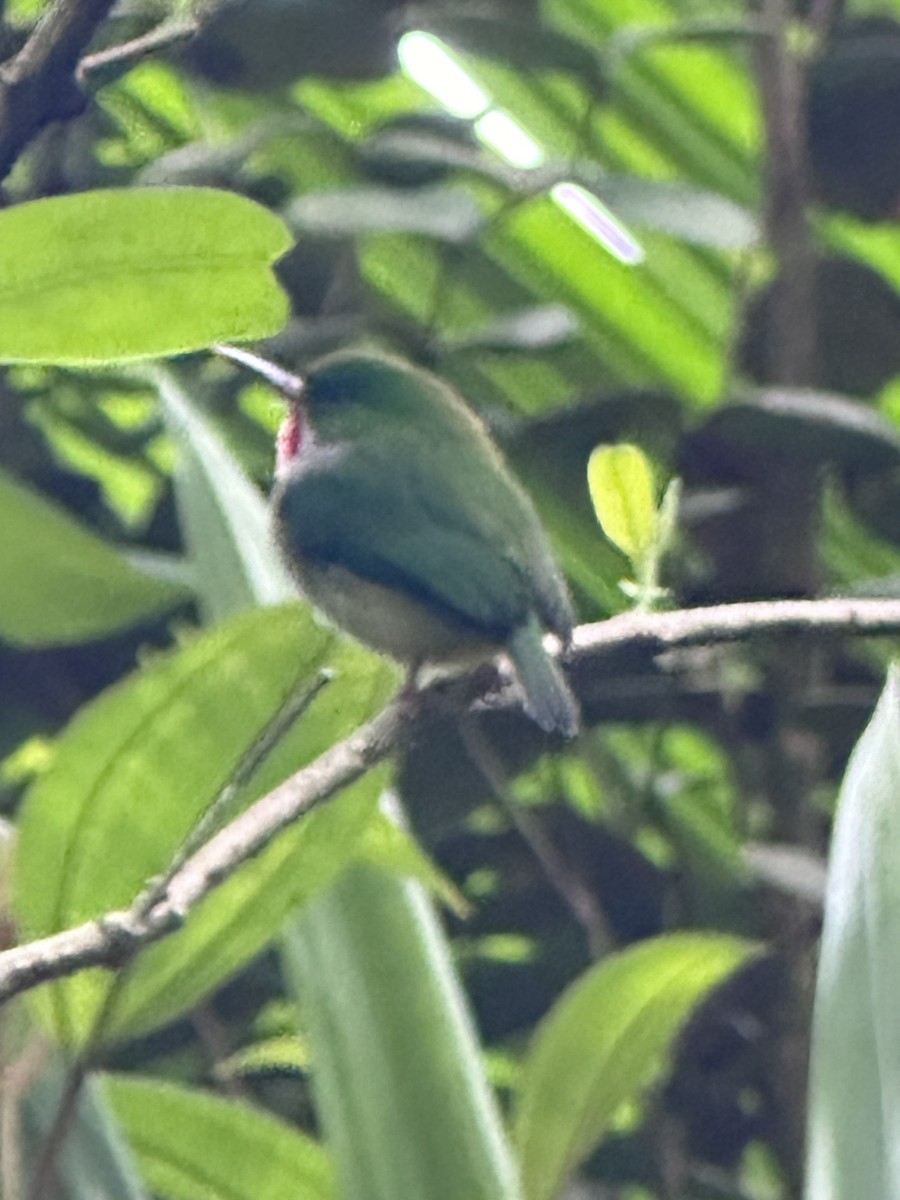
x: 548, y: 698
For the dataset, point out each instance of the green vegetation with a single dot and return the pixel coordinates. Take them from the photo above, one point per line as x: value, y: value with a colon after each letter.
x: 653, y: 245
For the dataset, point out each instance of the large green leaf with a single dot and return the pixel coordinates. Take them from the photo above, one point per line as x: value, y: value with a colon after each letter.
x: 399, y: 1085
x: 60, y: 583
x: 605, y: 1040
x: 190, y: 1144
x: 135, y: 770
x: 854, y: 1096
x: 123, y: 274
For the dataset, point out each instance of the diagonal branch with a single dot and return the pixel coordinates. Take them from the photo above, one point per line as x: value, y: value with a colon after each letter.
x: 116, y: 937
x: 38, y: 85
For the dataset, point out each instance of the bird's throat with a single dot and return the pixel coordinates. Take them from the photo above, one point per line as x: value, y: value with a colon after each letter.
x: 289, y: 443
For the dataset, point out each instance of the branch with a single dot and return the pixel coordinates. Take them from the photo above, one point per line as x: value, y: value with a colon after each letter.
x: 108, y: 64
x: 116, y: 937
x: 38, y: 85
x: 791, y: 333
x: 662, y: 631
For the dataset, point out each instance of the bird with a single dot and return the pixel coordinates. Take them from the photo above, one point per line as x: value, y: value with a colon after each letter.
x: 400, y: 521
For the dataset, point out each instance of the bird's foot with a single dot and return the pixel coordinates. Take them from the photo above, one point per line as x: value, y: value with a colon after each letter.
x: 485, y: 685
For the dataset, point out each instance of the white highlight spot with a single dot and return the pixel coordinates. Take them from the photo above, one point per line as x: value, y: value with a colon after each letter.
x: 425, y: 60
x: 508, y: 139
x: 595, y: 218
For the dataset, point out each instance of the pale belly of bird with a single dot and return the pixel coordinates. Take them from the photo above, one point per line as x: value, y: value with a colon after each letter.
x: 390, y: 621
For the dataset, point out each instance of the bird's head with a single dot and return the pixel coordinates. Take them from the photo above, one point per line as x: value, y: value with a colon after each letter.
x: 345, y: 396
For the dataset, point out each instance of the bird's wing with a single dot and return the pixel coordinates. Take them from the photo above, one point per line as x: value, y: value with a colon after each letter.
x: 408, y: 524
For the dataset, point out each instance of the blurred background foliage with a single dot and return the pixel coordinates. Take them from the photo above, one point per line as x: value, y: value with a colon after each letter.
x: 672, y: 224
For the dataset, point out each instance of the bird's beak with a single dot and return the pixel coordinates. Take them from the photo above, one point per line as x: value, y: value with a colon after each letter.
x: 290, y: 385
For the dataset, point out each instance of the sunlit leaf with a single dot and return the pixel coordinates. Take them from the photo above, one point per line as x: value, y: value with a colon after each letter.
x: 620, y: 480
x: 122, y: 274
x: 606, y: 1039
x: 191, y: 1143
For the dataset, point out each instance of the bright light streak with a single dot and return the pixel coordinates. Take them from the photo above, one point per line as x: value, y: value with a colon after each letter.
x: 596, y: 219
x: 508, y: 139
x: 426, y: 61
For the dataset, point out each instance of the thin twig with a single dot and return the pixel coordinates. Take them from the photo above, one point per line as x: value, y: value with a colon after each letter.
x: 572, y: 889
x: 114, y: 60
x: 115, y: 938
x: 289, y: 713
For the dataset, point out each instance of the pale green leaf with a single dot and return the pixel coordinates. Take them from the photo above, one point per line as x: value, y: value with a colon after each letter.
x: 225, y: 518
x: 620, y: 480
x: 606, y: 1039
x: 194, y: 1145
x: 60, y: 583
x: 855, y: 1089
x: 447, y: 213
x: 120, y: 274
x: 387, y: 845
x: 399, y: 1085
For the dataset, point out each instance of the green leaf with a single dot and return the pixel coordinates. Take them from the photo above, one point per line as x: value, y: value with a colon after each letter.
x: 604, y: 1042
x: 679, y: 209
x: 398, y: 1080
x: 137, y: 767
x: 190, y: 1143
x: 447, y: 213
x: 276, y: 1055
x: 225, y: 518
x: 121, y: 274
x: 387, y: 845
x: 620, y: 480
x: 854, y: 1103
x: 61, y: 584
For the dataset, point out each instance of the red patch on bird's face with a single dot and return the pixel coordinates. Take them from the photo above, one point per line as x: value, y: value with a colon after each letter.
x: 288, y: 442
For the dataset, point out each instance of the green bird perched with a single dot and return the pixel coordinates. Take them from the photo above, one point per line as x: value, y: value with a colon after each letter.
x: 400, y: 521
